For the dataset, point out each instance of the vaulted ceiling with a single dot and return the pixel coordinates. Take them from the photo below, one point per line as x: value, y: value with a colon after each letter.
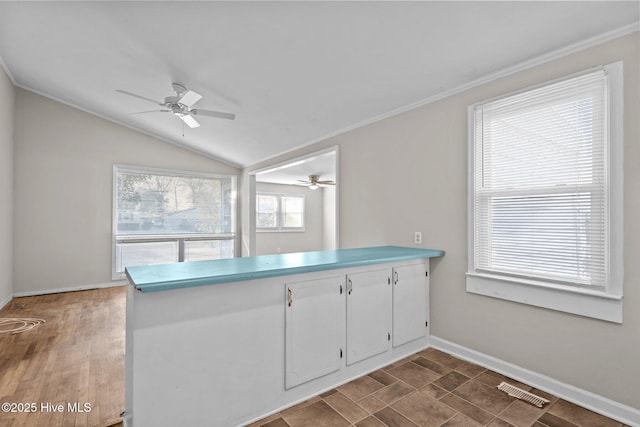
x: 292, y: 72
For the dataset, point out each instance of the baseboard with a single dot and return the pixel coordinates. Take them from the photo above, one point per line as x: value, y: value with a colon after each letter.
x: 584, y: 398
x: 70, y: 289
x: 127, y: 420
x: 6, y: 301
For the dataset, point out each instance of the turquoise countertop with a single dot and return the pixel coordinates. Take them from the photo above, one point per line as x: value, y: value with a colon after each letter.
x: 160, y: 277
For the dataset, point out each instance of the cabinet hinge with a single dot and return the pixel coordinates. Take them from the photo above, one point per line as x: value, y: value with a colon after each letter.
x: 340, y: 353
x: 388, y: 336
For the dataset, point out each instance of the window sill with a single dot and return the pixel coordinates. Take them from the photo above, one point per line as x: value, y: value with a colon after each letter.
x: 281, y: 230
x: 598, y: 305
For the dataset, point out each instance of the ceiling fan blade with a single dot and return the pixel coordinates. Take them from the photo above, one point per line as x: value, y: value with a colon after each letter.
x: 210, y: 113
x: 152, y: 111
x: 305, y: 182
x: 190, y: 121
x: 189, y: 98
x: 326, y: 182
x: 139, y: 96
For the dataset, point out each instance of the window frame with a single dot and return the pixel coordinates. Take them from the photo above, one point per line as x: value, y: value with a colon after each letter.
x: 181, y: 239
x: 603, y: 305
x: 280, y: 228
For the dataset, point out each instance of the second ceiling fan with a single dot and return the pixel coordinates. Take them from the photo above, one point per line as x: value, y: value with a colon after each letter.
x: 181, y: 105
x: 314, y: 182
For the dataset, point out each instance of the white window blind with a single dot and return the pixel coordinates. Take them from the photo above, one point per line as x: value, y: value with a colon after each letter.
x: 540, y: 183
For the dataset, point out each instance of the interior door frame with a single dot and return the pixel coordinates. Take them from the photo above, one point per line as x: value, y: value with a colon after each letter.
x: 252, y: 193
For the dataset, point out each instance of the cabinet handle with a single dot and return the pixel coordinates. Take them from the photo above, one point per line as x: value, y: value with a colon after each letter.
x: 395, y: 274
x: 350, y: 286
x: 290, y: 296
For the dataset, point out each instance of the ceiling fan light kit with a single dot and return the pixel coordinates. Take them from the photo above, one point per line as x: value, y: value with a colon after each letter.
x: 314, y: 182
x: 181, y: 105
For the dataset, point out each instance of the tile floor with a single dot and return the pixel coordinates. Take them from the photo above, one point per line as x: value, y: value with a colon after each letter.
x: 431, y: 388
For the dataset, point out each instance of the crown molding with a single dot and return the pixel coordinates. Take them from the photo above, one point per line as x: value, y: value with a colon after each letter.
x: 5, y: 67
x: 128, y: 126
x: 522, y: 66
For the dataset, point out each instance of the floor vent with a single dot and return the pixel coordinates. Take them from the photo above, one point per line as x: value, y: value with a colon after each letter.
x: 522, y: 395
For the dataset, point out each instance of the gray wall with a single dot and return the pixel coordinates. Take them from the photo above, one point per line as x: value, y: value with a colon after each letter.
x: 63, y: 190
x: 7, y: 102
x: 311, y: 239
x: 413, y: 177
x: 329, y: 217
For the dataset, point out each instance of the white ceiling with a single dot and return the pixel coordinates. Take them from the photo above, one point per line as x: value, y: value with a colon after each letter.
x: 292, y: 72
x: 322, y: 164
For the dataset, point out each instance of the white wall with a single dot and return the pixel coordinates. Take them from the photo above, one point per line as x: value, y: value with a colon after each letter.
x: 7, y: 107
x: 409, y: 173
x: 63, y: 190
x: 329, y: 217
x: 311, y: 239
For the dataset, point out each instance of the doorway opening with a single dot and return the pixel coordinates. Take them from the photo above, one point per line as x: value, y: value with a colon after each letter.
x: 294, y: 205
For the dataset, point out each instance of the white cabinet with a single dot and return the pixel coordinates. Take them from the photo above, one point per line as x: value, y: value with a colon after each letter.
x: 410, y: 303
x: 314, y: 329
x: 358, y: 315
x: 368, y: 314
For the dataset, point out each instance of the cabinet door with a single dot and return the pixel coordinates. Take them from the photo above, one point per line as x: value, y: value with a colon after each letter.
x: 368, y: 314
x: 314, y: 327
x: 410, y: 303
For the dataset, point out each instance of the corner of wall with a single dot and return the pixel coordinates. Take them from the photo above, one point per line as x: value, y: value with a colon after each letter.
x: 7, y: 114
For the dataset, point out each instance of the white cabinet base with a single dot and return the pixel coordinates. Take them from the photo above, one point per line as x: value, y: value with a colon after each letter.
x: 215, y: 355
x: 313, y: 329
x: 368, y: 314
x: 410, y: 303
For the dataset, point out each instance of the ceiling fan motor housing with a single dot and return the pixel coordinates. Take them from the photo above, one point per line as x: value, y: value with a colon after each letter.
x: 171, y: 100
x: 179, y: 89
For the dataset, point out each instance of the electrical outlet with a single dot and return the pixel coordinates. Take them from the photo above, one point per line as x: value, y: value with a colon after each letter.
x: 417, y: 238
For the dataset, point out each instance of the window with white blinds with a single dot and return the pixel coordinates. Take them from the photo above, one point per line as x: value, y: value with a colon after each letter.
x: 541, y: 187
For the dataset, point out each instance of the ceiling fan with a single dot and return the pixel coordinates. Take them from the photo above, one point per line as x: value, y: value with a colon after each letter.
x: 314, y: 182
x: 181, y: 105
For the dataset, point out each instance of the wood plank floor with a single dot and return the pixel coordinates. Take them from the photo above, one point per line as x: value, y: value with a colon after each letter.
x: 76, y: 357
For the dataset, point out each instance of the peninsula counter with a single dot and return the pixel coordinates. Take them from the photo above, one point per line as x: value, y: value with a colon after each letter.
x: 226, y: 342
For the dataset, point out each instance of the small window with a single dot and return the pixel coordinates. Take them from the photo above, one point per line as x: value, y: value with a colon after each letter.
x: 279, y: 212
x: 545, y: 195
x: 268, y: 214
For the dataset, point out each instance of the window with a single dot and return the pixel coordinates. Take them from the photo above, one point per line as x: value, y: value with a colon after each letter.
x: 168, y: 216
x: 279, y: 212
x: 545, y: 195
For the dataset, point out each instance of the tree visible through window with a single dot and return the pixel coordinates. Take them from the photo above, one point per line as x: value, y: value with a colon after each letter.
x: 168, y: 217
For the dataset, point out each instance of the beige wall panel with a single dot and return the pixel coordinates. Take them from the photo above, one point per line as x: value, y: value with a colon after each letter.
x: 7, y: 107
x: 409, y: 173
x: 63, y: 190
